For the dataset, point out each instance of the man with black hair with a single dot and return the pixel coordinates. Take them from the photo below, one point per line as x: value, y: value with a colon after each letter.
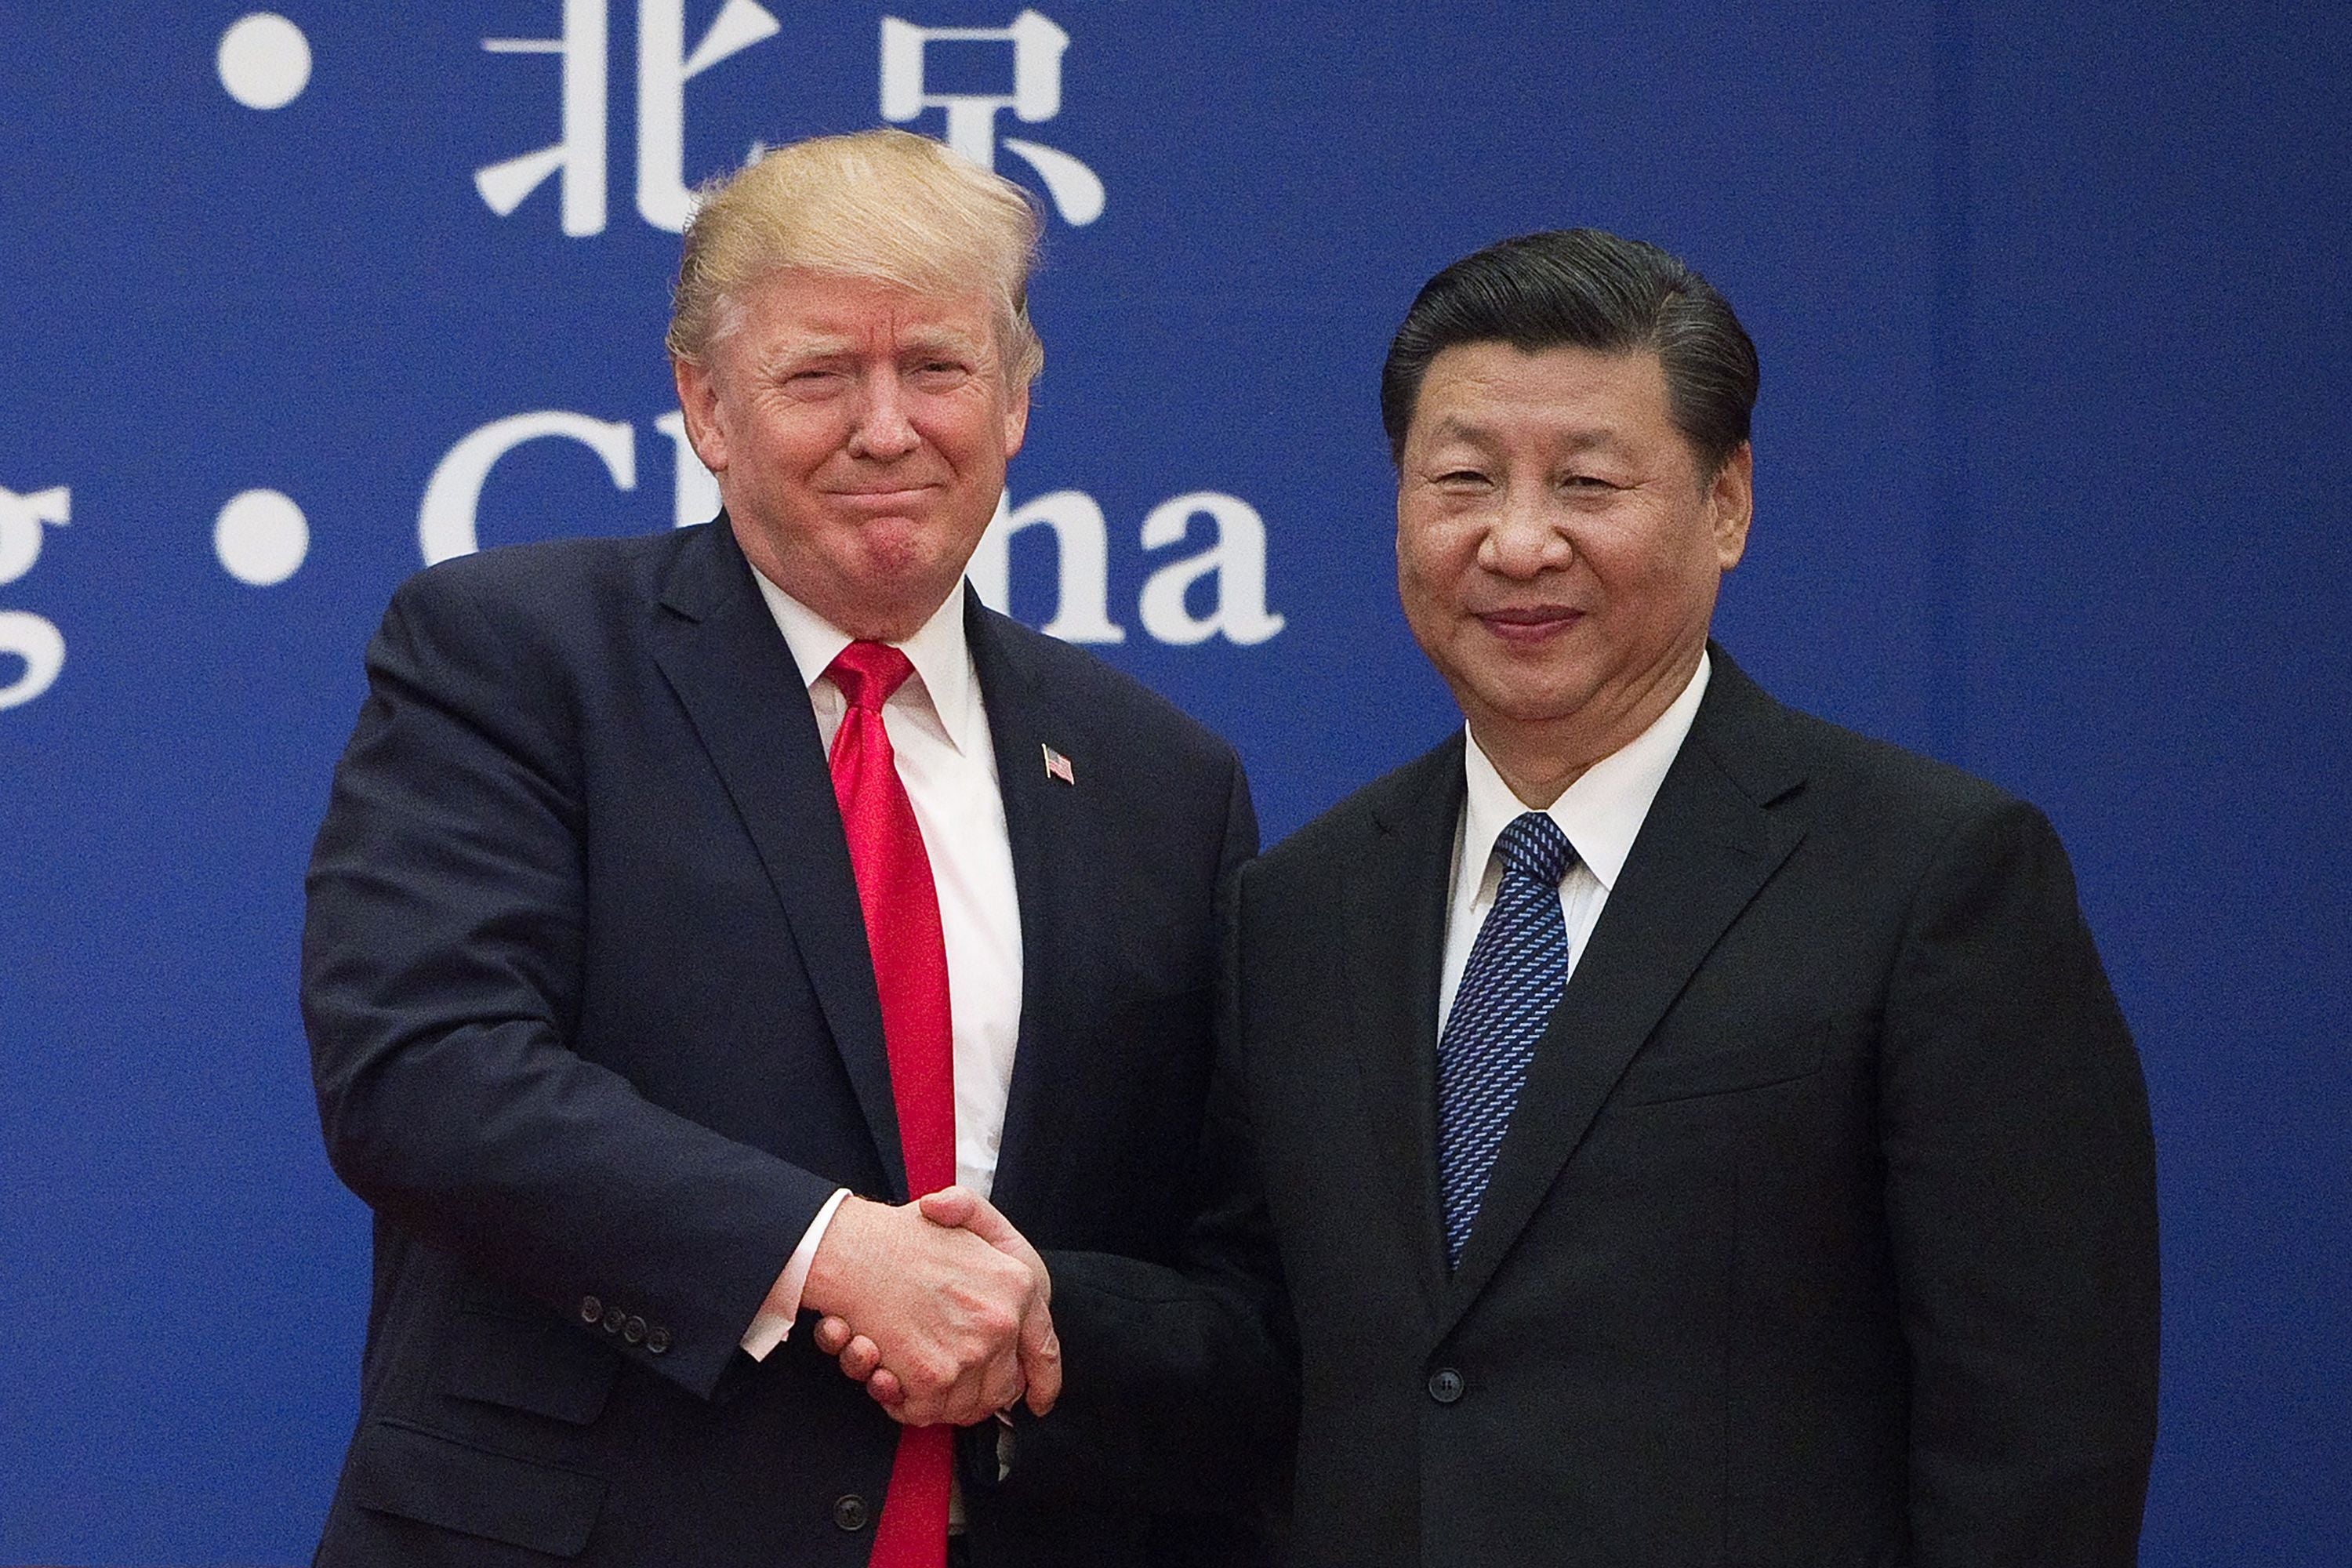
x: 1685, y: 1132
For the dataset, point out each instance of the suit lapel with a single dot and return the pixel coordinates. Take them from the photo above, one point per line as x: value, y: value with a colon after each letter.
x: 1396, y: 900
x: 718, y: 647
x: 1057, y: 875
x: 1706, y: 847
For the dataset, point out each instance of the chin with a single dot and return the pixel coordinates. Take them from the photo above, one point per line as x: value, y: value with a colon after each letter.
x: 1530, y: 700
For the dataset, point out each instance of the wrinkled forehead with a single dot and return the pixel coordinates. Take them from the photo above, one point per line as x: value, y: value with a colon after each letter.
x: 849, y: 310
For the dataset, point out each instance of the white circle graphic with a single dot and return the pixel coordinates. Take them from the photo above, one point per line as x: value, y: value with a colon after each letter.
x: 265, y: 60
x: 261, y: 538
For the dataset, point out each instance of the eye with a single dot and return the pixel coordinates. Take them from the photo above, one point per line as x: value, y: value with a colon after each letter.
x: 941, y: 371
x: 1462, y: 480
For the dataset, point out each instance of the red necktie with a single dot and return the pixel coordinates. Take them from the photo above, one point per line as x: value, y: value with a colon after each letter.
x: 910, y: 973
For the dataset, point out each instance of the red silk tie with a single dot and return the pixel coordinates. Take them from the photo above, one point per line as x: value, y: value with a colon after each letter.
x: 910, y: 973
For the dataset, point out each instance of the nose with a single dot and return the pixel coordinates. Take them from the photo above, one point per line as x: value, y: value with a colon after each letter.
x: 1525, y: 539
x: 883, y: 431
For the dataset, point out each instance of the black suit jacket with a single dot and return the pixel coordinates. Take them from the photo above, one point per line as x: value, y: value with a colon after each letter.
x: 595, y: 1034
x: 1823, y: 1233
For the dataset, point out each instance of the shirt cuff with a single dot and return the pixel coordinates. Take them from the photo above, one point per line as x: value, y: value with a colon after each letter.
x: 773, y: 1322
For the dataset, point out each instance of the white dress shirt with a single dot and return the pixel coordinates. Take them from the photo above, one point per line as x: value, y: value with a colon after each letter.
x: 946, y: 757
x: 1600, y: 813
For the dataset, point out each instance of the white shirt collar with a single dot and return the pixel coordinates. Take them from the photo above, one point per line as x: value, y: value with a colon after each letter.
x: 939, y: 651
x: 1603, y: 810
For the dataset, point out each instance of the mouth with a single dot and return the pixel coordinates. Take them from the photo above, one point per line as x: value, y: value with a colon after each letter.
x: 882, y: 498
x: 1529, y: 623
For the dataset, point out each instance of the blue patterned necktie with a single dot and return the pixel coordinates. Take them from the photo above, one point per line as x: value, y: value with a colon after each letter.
x: 1517, y: 968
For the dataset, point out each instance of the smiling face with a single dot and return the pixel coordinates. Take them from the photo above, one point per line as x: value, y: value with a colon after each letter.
x: 1559, y: 548
x: 859, y: 433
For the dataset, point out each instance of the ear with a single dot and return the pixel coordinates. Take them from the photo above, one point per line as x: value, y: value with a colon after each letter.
x: 1017, y: 420
x: 697, y: 399
x: 1731, y: 499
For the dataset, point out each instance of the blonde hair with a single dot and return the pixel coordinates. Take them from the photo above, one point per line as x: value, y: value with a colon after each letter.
x: 881, y: 204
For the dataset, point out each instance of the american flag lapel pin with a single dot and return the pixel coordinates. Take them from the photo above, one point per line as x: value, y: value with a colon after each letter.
x: 1058, y: 766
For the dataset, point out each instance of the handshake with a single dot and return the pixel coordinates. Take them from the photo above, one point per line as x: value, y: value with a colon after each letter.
x: 938, y: 1307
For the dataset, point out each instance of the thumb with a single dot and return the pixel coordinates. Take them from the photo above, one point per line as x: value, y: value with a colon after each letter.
x: 962, y: 1206
x: 1041, y: 1360
x: 951, y: 1206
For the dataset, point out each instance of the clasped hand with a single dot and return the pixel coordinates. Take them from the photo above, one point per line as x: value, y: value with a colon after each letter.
x: 939, y: 1306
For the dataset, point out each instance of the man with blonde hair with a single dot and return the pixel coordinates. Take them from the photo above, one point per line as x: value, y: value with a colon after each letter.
x: 688, y: 905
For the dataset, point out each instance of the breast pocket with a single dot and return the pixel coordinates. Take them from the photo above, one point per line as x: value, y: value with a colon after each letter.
x: 1671, y: 1071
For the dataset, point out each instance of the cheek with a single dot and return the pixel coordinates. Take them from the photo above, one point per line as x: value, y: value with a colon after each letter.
x: 1415, y: 588
x: 1433, y: 553
x: 794, y: 451
x: 1642, y: 562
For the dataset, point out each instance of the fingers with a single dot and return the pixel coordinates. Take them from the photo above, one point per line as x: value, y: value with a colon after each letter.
x: 962, y: 1207
x: 1039, y: 1351
x: 1041, y: 1360
x: 1000, y: 1390
x: 941, y: 1323
x: 861, y: 1359
x: 968, y: 1399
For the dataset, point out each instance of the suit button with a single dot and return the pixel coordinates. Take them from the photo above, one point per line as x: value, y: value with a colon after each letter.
x: 614, y: 1319
x: 633, y: 1330
x: 591, y: 1310
x: 1446, y: 1386
x: 656, y: 1339
x: 850, y: 1512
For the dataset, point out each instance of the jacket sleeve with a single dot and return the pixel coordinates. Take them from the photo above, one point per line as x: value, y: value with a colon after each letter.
x: 1180, y: 1389
x: 2022, y: 1207
x: 442, y: 979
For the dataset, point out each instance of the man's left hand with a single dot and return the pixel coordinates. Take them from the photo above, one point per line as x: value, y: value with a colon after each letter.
x: 1041, y: 1362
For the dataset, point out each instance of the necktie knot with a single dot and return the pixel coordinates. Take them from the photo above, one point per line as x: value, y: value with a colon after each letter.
x: 868, y: 672
x: 1533, y: 845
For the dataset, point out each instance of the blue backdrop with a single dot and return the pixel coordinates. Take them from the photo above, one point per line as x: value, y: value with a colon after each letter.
x: 2050, y: 299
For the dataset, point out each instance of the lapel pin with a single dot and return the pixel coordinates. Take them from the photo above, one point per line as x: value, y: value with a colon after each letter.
x: 1058, y: 766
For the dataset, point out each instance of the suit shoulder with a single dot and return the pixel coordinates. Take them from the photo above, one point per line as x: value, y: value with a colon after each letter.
x: 1868, y: 765
x: 524, y: 617
x: 1430, y: 783
x: 1876, y: 787
x: 549, y: 576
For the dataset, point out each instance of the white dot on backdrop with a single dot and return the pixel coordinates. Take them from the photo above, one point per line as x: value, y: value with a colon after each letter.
x: 261, y: 538
x: 265, y: 60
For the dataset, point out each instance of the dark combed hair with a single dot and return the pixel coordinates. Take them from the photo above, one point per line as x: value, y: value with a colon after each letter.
x: 1586, y: 288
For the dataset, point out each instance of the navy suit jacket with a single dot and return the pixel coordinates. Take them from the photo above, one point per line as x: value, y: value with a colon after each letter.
x: 594, y: 1033
x: 1823, y: 1233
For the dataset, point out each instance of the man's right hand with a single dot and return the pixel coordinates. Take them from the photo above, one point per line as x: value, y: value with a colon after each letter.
x: 962, y: 1326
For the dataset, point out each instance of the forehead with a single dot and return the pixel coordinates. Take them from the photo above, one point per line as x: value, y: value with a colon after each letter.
x: 788, y: 308
x: 1494, y: 390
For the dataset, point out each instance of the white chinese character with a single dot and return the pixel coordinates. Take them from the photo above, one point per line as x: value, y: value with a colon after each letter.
x: 664, y: 68
x: 1037, y: 95
x: 26, y: 636
x: 580, y: 152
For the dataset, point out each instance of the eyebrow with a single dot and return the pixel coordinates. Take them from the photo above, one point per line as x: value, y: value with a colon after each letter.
x: 930, y: 340
x: 935, y: 339
x: 800, y: 351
